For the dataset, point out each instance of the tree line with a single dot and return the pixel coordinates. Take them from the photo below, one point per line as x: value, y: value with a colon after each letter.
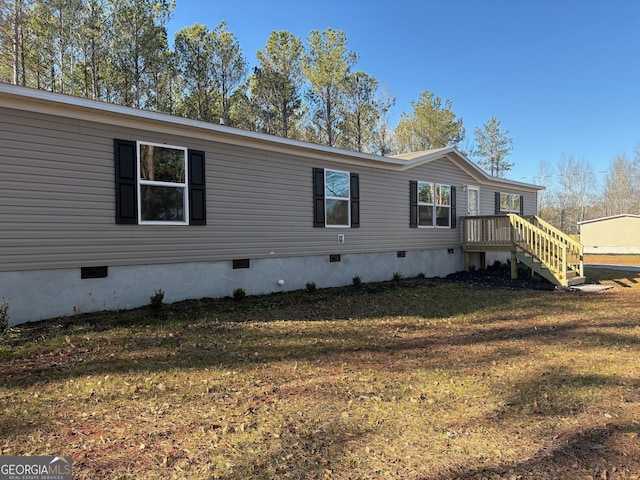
x: 118, y: 51
x: 575, y: 192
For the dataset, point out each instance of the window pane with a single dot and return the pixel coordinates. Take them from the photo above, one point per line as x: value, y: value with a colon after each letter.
x: 425, y: 216
x: 505, y: 202
x: 444, y: 195
x: 337, y: 212
x: 161, y: 164
x: 337, y: 184
x: 516, y: 204
x: 442, y: 216
x: 425, y: 192
x: 162, y: 204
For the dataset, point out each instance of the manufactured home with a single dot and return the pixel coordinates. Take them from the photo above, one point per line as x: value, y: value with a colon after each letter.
x: 619, y: 234
x: 101, y: 205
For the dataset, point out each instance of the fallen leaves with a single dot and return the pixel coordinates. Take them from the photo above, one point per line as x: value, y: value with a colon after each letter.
x: 426, y: 380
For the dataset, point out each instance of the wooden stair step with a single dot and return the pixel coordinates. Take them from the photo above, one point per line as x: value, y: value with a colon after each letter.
x: 576, y: 281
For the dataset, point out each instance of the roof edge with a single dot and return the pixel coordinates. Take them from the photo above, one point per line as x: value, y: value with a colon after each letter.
x: 236, y: 135
x: 593, y: 220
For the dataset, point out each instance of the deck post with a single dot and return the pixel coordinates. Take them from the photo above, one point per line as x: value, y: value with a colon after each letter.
x: 514, y: 257
x: 514, y: 265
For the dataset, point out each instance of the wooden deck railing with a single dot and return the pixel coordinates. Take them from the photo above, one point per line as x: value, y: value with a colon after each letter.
x: 490, y: 232
x: 531, y: 236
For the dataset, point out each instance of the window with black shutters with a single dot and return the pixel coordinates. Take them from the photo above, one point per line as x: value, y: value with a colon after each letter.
x: 509, y: 203
x: 336, y: 198
x: 432, y: 205
x: 159, y: 184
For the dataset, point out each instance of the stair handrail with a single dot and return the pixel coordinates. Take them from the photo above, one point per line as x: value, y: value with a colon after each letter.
x: 550, y: 228
x: 575, y: 249
x: 533, y: 240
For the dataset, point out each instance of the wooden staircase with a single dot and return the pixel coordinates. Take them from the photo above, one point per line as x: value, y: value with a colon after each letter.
x: 533, y: 242
x: 546, y: 251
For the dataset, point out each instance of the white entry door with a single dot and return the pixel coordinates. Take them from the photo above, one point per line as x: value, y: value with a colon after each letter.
x: 473, y: 201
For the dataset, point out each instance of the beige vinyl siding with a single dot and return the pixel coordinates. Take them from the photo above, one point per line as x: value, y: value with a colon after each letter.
x: 57, y: 201
x: 488, y: 199
x: 619, y: 234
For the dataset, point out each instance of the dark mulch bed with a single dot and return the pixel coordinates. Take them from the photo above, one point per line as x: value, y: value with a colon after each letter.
x: 500, y: 277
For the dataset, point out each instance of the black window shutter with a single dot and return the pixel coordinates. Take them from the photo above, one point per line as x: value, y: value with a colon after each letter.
x: 497, y: 203
x: 355, y: 200
x: 197, y: 192
x: 521, y: 204
x: 126, y: 182
x: 454, y: 220
x: 318, y: 197
x: 413, y: 204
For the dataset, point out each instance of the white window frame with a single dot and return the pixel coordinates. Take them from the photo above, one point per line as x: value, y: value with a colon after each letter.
x: 512, y: 199
x: 184, y: 185
x: 425, y: 204
x: 328, y: 197
x: 434, y: 205
x: 448, y: 206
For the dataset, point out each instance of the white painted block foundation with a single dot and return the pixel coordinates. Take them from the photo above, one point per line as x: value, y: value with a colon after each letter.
x: 39, y: 295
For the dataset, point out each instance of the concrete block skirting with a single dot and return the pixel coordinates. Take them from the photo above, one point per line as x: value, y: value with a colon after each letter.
x: 39, y: 295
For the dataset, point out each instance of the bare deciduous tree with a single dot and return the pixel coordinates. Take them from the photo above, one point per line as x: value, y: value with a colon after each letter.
x: 621, y: 187
x: 577, y: 191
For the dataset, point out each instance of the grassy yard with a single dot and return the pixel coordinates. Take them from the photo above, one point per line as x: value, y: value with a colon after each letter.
x: 418, y: 379
x: 623, y: 260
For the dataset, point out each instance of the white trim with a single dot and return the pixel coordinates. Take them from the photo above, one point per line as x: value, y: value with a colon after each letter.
x: 328, y: 197
x: 184, y: 185
x: 477, y: 189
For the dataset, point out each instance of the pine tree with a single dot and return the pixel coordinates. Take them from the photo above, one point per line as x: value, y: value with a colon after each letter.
x: 493, y: 146
x: 431, y: 125
x: 326, y: 66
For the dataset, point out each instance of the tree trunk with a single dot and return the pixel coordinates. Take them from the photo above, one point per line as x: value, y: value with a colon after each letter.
x: 16, y: 42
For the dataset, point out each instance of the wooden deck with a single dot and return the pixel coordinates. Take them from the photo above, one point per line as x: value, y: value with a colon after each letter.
x: 532, y: 241
x: 487, y: 233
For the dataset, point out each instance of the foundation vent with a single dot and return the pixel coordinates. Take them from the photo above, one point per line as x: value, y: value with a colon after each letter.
x: 241, y: 263
x: 93, y: 272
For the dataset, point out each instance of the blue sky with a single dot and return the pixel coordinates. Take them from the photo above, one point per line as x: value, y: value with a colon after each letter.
x: 562, y: 76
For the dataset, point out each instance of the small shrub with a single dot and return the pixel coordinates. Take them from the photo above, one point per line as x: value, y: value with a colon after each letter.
x: 357, y: 281
x: 4, y: 316
x: 156, y: 301
x: 239, y: 294
x: 421, y: 275
x: 397, y: 276
x: 497, y: 264
x: 311, y: 287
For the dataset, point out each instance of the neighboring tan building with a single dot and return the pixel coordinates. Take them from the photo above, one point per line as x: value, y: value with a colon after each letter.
x: 101, y: 205
x: 619, y: 234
